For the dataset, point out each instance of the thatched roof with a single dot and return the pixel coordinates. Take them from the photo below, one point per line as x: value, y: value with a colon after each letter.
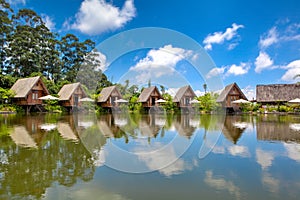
x: 277, y: 92
x: 106, y: 93
x: 226, y: 91
x: 66, y: 91
x: 144, y: 96
x: 24, y: 85
x: 182, y: 91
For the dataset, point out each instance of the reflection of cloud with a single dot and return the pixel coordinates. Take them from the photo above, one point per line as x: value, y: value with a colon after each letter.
x: 293, y: 151
x: 270, y: 182
x: 99, y: 157
x: 86, y: 191
x: 241, y: 125
x: 222, y: 184
x: 264, y: 158
x: 295, y: 127
x: 237, y: 150
x: 219, y: 150
x: 164, y: 160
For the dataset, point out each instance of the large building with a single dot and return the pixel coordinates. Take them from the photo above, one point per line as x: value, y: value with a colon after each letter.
x: 277, y: 93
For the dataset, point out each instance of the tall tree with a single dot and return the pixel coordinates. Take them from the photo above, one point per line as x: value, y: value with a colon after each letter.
x: 31, y: 45
x: 73, y: 53
x: 205, y: 87
x: 6, y: 28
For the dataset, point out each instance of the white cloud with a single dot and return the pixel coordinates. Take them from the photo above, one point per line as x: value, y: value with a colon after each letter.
x: 172, y: 91
x: 199, y: 93
x: 264, y: 158
x: 270, y: 38
x: 293, y: 69
x: 220, y: 37
x: 263, y: 61
x: 98, y: 16
x: 293, y: 151
x: 48, y: 22
x: 237, y: 150
x: 270, y: 182
x: 222, y: 184
x: 215, y: 72
x: 159, y: 62
x: 250, y: 92
x: 17, y: 2
x: 236, y: 70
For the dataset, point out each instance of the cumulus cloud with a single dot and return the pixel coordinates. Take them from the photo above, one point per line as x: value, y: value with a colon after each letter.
x: 215, y: 72
x: 268, y: 39
x: 220, y: 37
x: 264, y: 158
x: 160, y: 62
x: 293, y: 69
x: 98, y: 16
x: 237, y: 150
x: 236, y: 70
x: 48, y: 22
x: 250, y: 92
x: 263, y: 61
x: 293, y: 151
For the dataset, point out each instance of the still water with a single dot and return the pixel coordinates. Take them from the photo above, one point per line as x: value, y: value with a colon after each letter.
x: 149, y: 157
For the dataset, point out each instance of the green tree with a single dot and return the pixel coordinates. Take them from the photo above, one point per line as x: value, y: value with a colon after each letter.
x: 208, y: 102
x: 169, y: 105
x: 205, y: 87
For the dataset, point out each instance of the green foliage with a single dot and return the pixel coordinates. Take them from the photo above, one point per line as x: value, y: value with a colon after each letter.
x: 52, y: 106
x: 250, y: 107
x: 169, y: 105
x: 134, y: 105
x: 207, y: 102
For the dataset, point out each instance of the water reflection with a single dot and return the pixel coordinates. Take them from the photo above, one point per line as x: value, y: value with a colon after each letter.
x: 64, y: 156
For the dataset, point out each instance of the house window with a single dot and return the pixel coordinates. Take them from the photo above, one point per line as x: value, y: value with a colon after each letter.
x: 34, y: 95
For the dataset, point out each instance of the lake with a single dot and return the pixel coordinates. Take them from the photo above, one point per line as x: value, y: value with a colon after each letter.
x: 133, y: 157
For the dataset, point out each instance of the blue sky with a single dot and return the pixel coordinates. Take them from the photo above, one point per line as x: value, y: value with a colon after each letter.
x: 251, y: 42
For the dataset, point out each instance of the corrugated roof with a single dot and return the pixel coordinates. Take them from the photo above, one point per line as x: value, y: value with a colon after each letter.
x: 24, y: 85
x: 106, y: 92
x: 180, y: 93
x: 144, y: 96
x: 66, y: 91
x: 277, y: 92
x: 226, y: 91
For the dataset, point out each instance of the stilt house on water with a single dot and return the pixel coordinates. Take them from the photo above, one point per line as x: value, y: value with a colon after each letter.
x: 70, y: 95
x: 277, y: 93
x: 108, y: 96
x: 149, y: 96
x: 229, y: 94
x: 183, y: 98
x: 28, y: 91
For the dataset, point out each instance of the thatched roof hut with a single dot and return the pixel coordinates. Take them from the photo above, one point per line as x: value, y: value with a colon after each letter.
x: 70, y: 94
x: 276, y: 93
x: 149, y: 96
x: 29, y: 90
x: 108, y: 96
x: 184, y: 96
x: 230, y: 93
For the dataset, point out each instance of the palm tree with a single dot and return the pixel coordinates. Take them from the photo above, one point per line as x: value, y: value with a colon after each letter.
x: 205, y: 87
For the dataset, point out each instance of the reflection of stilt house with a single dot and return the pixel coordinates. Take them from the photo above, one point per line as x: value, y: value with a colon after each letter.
x: 28, y: 91
x: 229, y: 94
x: 108, y: 96
x: 183, y: 98
x: 70, y: 94
x: 277, y: 93
x: 149, y: 96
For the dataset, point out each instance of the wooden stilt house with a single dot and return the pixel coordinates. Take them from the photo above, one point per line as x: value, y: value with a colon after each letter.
x: 229, y: 94
x: 184, y: 96
x: 108, y: 96
x: 148, y: 97
x: 28, y: 91
x: 70, y: 95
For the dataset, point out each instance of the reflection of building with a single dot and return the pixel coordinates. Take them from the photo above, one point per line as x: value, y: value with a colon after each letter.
x: 70, y: 94
x: 149, y: 96
x: 28, y: 91
x: 66, y: 131
x: 148, y: 126
x: 108, y: 96
x: 230, y: 93
x: 184, y: 125
x: 22, y: 137
x: 231, y: 130
x: 183, y: 98
x: 276, y: 131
